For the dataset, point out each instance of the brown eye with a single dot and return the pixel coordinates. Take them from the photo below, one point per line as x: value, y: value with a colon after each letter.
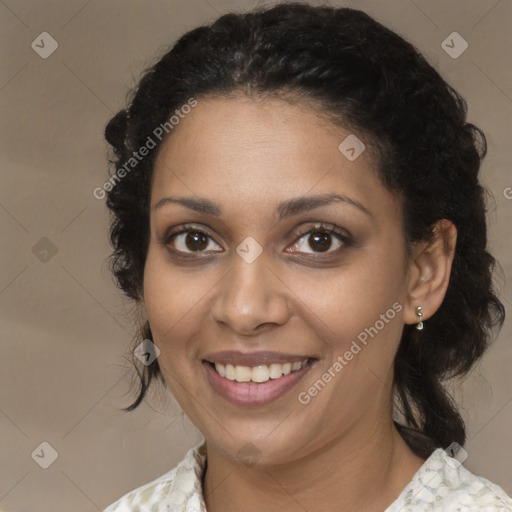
x: 189, y: 241
x: 319, y: 239
x: 196, y: 241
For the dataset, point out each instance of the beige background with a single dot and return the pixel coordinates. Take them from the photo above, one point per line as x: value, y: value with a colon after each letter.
x: 66, y: 330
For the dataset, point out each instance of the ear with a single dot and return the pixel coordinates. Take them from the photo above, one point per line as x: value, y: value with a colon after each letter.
x: 429, y: 272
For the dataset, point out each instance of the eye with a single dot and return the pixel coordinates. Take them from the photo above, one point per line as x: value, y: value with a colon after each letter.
x: 189, y: 240
x: 319, y: 239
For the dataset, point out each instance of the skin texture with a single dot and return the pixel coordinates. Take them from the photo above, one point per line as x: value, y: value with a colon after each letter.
x: 340, y: 451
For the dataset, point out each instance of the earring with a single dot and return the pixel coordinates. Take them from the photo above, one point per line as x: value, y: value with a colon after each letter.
x: 419, y: 325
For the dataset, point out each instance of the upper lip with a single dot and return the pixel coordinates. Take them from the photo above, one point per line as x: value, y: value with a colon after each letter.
x: 253, y: 358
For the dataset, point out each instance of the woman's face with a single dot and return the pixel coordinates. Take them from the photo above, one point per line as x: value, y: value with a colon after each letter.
x: 266, y: 286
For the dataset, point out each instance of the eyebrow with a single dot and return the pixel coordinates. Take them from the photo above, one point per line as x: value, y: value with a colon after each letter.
x: 284, y: 209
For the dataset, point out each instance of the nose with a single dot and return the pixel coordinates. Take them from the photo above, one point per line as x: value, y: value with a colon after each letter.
x: 251, y: 297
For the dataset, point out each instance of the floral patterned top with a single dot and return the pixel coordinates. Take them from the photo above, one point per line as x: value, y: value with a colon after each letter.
x: 442, y: 484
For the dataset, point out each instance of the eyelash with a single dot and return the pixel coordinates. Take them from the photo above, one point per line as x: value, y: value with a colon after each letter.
x: 321, y: 227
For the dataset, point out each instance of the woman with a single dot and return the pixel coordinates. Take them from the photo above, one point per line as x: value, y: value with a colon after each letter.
x: 297, y: 207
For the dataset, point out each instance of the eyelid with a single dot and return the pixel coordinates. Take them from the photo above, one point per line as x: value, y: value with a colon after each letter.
x: 325, y: 227
x: 186, y: 228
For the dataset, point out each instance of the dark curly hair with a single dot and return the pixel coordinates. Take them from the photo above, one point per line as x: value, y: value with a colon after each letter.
x: 365, y: 77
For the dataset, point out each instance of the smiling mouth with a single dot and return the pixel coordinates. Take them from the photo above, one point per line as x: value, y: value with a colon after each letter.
x: 257, y: 374
x: 255, y: 378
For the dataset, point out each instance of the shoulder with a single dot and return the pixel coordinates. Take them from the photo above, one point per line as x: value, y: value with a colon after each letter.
x: 181, y: 486
x: 443, y: 484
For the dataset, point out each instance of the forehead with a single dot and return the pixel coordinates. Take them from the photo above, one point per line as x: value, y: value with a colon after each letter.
x: 255, y: 152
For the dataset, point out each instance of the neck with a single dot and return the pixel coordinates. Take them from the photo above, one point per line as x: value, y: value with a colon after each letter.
x: 364, y: 470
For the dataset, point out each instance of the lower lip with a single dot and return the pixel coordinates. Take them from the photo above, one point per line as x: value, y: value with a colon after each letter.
x: 253, y: 393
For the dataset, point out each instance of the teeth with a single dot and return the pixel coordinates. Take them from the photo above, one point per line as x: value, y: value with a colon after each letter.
x: 275, y: 371
x: 230, y: 372
x: 221, y: 369
x: 243, y: 373
x: 261, y: 373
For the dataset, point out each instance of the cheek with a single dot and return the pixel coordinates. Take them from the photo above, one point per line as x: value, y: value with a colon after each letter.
x: 170, y: 299
x: 354, y: 298
x: 359, y: 319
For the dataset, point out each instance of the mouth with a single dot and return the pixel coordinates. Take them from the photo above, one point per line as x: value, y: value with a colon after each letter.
x: 255, y: 385
x: 259, y: 373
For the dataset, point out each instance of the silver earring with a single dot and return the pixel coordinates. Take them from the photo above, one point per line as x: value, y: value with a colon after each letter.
x: 419, y: 325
